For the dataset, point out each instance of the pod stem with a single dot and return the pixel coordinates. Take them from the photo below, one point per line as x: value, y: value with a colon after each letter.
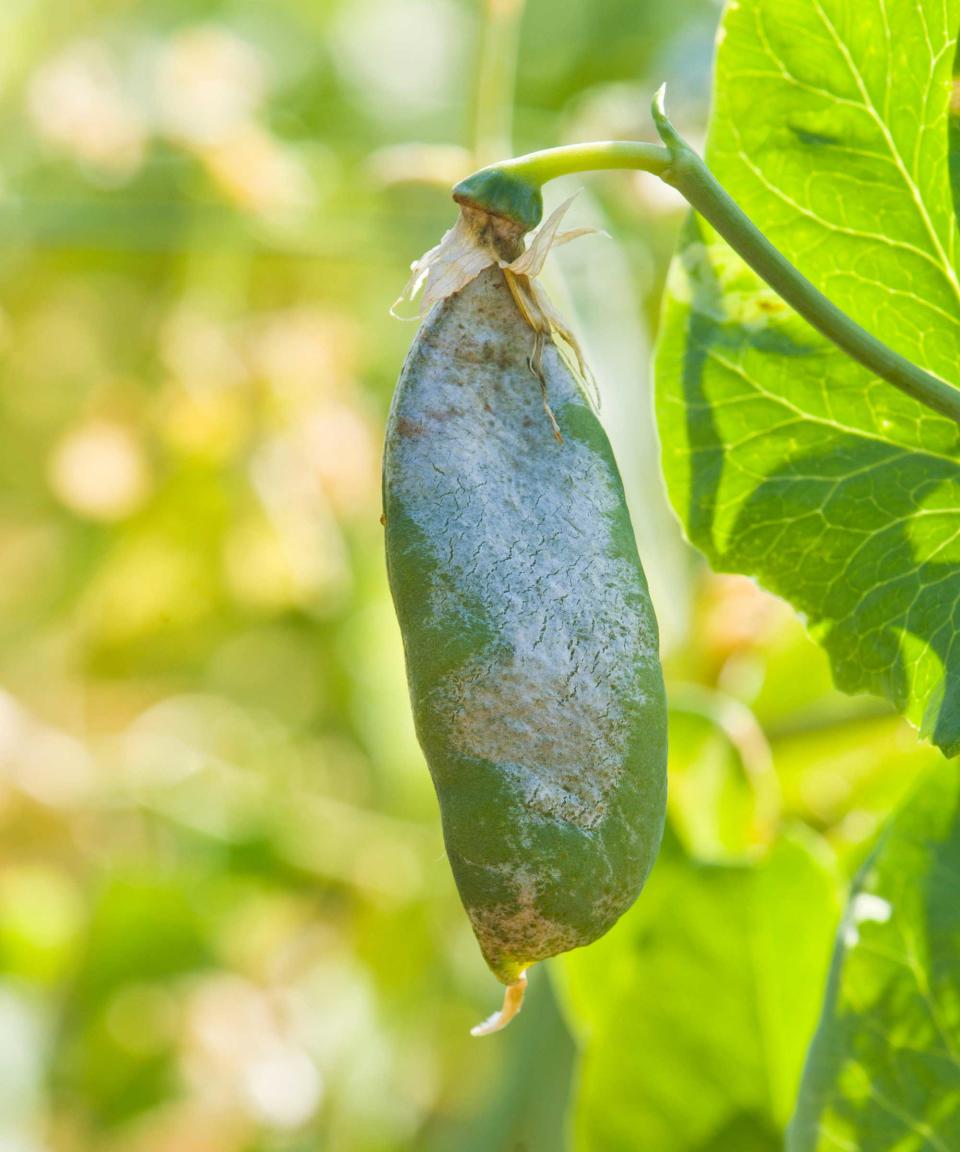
x: 512, y: 1003
x: 512, y: 190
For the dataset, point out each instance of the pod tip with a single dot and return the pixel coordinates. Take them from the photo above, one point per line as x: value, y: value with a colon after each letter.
x: 512, y: 1003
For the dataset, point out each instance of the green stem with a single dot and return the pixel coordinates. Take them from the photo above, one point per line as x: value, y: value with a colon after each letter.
x: 512, y: 189
x: 539, y: 167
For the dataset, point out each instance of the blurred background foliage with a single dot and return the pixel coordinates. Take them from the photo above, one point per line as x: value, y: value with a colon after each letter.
x: 226, y: 921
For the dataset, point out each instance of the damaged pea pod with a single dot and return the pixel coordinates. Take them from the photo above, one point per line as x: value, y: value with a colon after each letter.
x: 531, y: 643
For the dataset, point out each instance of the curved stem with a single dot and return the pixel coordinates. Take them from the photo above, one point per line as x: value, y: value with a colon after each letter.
x: 512, y: 189
x: 539, y: 167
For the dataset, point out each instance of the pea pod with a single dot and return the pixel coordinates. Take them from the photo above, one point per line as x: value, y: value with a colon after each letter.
x: 531, y: 643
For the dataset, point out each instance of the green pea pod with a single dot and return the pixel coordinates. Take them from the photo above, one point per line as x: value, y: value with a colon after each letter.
x: 531, y: 643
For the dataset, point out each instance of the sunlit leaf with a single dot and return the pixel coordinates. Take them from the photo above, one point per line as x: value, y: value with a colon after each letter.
x: 884, y: 1069
x: 695, y: 1011
x: 784, y: 459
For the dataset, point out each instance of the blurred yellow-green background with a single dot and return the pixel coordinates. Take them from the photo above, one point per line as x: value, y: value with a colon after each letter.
x: 226, y: 920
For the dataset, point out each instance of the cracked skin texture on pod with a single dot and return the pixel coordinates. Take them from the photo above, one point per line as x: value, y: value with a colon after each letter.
x: 531, y: 643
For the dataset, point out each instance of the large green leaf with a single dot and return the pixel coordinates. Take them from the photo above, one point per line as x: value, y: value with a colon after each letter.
x: 696, y: 1010
x: 954, y: 130
x: 784, y: 459
x: 884, y: 1069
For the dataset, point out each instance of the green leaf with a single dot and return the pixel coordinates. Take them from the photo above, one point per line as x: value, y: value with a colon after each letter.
x: 694, y: 1013
x: 884, y: 1068
x: 784, y: 459
x: 954, y: 130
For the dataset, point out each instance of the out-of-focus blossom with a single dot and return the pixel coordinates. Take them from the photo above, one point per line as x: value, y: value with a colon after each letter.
x: 210, y: 86
x: 175, y: 739
x: 24, y: 1045
x: 210, y: 424
x: 199, y: 351
x: 56, y: 768
x: 209, y: 83
x: 182, y: 1125
x: 260, y: 174
x: 205, y: 408
x: 282, y: 1086
x: 609, y: 112
x: 329, y: 447
x: 402, y: 57
x: 241, y: 1052
x: 296, y: 555
x: 286, y: 490
x: 41, y: 761
x: 337, y: 440
x: 99, y: 470
x: 337, y: 1012
x: 78, y: 105
x: 304, y: 353
x: 442, y: 165
x: 740, y: 614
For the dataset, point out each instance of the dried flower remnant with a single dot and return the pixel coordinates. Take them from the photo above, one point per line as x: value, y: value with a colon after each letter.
x: 480, y: 239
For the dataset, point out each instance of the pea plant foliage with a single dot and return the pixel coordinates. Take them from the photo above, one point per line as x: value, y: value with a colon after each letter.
x: 785, y: 459
x: 834, y: 127
x: 808, y: 405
